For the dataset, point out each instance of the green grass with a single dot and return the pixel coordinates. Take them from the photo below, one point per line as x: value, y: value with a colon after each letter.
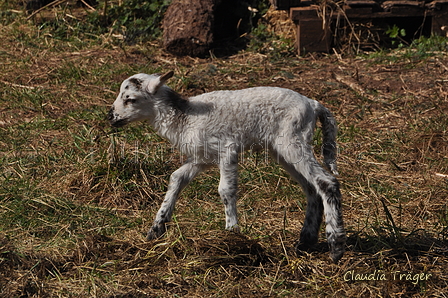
x: 420, y: 49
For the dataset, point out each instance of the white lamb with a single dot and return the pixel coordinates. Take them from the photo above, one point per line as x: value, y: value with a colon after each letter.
x: 215, y: 127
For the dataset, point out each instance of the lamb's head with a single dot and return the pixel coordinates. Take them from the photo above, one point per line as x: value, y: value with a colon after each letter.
x: 136, y: 99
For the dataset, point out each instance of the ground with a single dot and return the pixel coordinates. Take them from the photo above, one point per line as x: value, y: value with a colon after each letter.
x: 76, y: 196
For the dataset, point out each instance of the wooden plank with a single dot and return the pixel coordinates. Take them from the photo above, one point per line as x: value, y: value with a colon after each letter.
x: 402, y: 3
x: 439, y: 24
x: 284, y: 4
x: 358, y: 8
x: 304, y: 13
x: 312, y: 37
x: 407, y: 10
x: 404, y: 7
x: 440, y: 5
x: 361, y: 3
x: 387, y: 14
x: 357, y: 12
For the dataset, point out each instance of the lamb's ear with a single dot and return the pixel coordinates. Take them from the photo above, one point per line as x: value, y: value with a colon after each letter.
x: 153, y: 85
x: 163, y: 78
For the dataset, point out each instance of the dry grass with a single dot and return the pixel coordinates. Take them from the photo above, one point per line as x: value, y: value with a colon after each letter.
x: 76, y: 196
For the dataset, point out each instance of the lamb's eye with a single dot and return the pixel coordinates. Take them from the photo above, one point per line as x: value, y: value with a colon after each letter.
x: 129, y: 100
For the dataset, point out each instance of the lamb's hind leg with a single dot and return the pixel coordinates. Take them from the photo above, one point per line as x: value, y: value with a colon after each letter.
x: 322, y: 192
x: 328, y: 187
x: 314, y: 209
x: 178, y: 180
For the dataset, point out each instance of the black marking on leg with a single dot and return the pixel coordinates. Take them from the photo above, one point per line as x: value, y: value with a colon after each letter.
x: 328, y: 150
x: 336, y: 244
x: 324, y: 185
x: 311, y: 226
x: 331, y: 191
x: 156, y: 231
x: 309, y: 235
x: 307, y: 239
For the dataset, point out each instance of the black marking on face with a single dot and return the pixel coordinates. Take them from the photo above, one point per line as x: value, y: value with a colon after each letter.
x: 136, y: 82
x: 119, y: 123
x: 128, y: 99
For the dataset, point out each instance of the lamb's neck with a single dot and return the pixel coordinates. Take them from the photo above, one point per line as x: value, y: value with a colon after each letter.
x: 170, y: 119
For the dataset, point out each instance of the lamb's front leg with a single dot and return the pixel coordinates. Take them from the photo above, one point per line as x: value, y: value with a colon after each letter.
x: 228, y: 185
x: 178, y: 180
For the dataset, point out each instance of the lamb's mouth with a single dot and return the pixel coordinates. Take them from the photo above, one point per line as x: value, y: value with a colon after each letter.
x: 118, y: 123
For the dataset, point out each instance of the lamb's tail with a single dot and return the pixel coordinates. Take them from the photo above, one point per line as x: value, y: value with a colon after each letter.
x: 329, y: 132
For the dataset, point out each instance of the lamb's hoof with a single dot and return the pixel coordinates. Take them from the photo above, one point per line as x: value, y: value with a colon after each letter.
x: 234, y: 229
x: 307, y: 241
x: 336, y: 255
x: 303, y: 247
x: 156, y: 231
x: 337, y: 247
x: 337, y: 251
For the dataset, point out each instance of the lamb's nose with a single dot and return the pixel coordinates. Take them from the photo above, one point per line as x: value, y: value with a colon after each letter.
x: 110, y: 115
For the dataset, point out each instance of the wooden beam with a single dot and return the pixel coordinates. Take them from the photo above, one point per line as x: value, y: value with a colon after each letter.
x: 304, y: 13
x: 313, y: 36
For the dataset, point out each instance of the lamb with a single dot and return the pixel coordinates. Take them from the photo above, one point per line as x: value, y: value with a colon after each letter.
x: 214, y: 128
